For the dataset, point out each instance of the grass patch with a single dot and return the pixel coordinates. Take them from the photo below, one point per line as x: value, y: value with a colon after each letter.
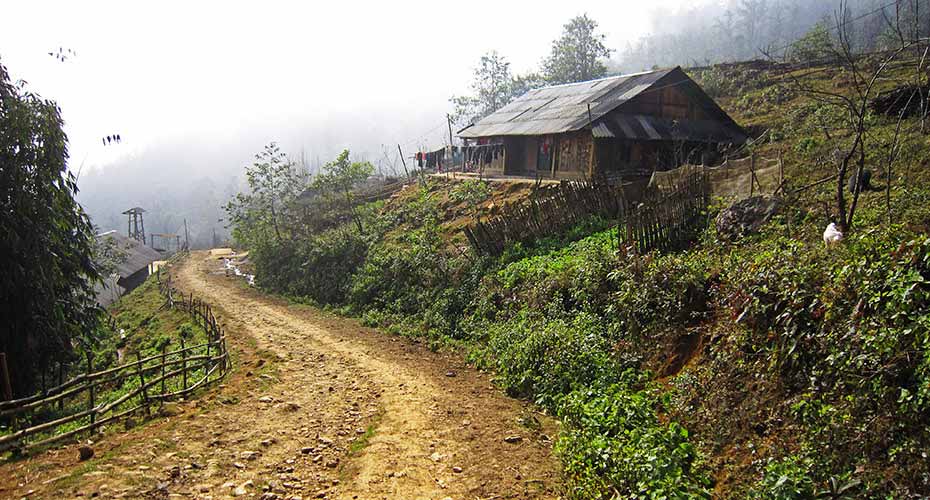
x: 361, y: 442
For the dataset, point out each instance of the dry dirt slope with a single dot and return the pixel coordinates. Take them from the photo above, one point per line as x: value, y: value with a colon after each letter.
x: 318, y: 407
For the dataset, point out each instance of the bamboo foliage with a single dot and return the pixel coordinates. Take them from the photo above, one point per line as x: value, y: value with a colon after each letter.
x: 73, y: 408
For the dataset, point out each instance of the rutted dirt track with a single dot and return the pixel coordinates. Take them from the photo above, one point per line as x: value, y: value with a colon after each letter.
x: 318, y: 407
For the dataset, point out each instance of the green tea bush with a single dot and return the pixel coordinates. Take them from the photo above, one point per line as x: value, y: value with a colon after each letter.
x: 655, y: 294
x: 572, y: 278
x: 786, y: 479
x: 319, y: 268
x: 614, y: 445
x: 546, y: 359
x: 847, y: 334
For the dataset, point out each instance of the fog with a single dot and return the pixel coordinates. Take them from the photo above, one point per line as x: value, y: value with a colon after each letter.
x: 195, y: 89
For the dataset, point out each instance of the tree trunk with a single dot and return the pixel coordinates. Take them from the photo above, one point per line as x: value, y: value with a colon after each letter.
x: 355, y: 217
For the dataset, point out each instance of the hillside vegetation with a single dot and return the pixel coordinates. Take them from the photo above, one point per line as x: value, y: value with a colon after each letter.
x: 771, y: 367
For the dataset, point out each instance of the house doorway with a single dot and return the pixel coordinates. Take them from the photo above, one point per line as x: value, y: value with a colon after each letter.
x: 544, y: 153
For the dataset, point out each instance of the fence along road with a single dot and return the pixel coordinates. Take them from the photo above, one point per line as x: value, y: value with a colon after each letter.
x: 318, y: 406
x: 150, y: 381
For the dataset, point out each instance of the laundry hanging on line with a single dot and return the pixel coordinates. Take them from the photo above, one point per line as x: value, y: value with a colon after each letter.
x: 483, y: 154
x: 433, y: 159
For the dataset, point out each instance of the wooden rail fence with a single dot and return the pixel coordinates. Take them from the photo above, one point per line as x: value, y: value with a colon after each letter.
x: 660, y: 221
x: 76, y: 406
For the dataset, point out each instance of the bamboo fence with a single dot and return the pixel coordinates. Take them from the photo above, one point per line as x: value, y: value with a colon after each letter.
x: 76, y: 406
x: 552, y: 211
x: 664, y: 218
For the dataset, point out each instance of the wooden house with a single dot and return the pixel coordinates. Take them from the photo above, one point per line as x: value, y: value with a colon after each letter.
x: 619, y: 127
x: 133, y: 265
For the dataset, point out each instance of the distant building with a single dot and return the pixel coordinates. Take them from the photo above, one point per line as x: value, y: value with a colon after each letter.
x: 132, y: 267
x: 619, y: 127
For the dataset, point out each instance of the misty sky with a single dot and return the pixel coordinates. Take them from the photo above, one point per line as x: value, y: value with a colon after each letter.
x: 207, y: 77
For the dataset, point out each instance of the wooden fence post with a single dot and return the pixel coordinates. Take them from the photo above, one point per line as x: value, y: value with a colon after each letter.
x: 164, y: 354
x: 145, y: 393
x: 183, y: 365
x: 206, y: 362
x: 92, y: 392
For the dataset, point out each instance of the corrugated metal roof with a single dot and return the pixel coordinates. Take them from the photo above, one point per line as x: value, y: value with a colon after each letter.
x: 136, y: 255
x: 650, y: 128
x: 563, y: 108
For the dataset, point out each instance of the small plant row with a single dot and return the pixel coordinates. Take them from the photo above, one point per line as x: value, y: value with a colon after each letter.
x: 96, y: 398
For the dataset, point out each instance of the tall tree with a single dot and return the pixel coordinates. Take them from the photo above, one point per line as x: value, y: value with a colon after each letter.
x: 493, y: 86
x: 752, y: 18
x: 578, y: 55
x: 262, y: 213
x: 339, y: 177
x: 47, y: 273
x: 816, y: 44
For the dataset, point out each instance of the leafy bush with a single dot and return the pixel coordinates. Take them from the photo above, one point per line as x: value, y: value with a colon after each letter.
x: 566, y: 279
x: 614, y: 446
x: 656, y: 293
x: 547, y: 359
x: 786, y: 479
x: 816, y: 44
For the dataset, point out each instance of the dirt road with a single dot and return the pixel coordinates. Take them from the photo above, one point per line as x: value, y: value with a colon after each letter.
x: 318, y: 407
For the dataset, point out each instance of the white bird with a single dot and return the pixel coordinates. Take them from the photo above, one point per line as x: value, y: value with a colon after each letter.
x: 832, y: 235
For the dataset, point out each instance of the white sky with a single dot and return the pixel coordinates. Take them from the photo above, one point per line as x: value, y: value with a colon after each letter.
x: 317, y: 76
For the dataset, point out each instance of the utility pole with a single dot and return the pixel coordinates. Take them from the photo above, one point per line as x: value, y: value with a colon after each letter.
x: 402, y: 160
x: 449, y: 121
x: 187, y: 236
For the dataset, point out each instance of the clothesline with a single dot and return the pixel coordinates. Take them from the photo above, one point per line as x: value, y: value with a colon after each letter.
x: 434, y: 159
x: 482, y: 154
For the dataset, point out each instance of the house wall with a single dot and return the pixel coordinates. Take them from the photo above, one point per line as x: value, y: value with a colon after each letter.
x: 515, y: 161
x: 572, y: 155
x: 670, y: 102
x: 496, y: 167
x: 573, y: 158
x: 129, y: 283
x: 530, y: 149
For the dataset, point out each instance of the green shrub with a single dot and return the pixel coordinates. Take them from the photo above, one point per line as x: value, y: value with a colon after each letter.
x: 546, y: 359
x: 613, y: 445
x: 786, y: 479
x: 319, y: 267
x: 655, y: 294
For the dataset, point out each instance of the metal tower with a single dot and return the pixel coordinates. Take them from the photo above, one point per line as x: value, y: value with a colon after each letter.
x: 136, y: 228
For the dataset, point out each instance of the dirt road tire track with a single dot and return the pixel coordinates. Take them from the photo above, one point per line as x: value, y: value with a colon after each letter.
x: 308, y: 390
